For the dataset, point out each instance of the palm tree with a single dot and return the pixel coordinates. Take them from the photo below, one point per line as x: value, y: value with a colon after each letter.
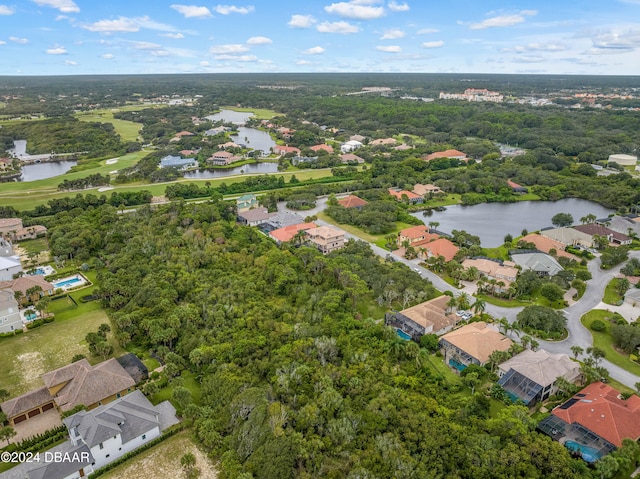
x: 526, y: 340
x: 433, y: 225
x: 534, y: 344
x: 464, y: 301
x: 577, y: 351
x: 479, y: 306
x: 622, y: 286
x: 481, y: 284
x: 473, y: 273
x: 452, y: 303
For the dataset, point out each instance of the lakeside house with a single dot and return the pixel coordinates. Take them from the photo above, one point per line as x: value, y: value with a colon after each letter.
x: 546, y: 245
x: 171, y: 161
x: 504, y: 271
x: 223, y: 158
x: 540, y: 263
x: 595, y: 229
x: 404, y: 195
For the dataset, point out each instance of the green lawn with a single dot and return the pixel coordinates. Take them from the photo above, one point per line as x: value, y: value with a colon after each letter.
x: 190, y: 382
x: 379, y: 240
x: 506, y: 303
x: 611, y: 296
x: 128, y: 130
x: 35, y: 246
x: 260, y: 113
x: 604, y: 341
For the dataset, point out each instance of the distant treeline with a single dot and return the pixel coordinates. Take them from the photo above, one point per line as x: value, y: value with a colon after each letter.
x: 58, y: 205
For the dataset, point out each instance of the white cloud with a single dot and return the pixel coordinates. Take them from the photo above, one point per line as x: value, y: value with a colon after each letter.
x: 229, y: 48
x: 301, y: 21
x: 392, y: 35
x: 57, y: 51
x: 259, y: 41
x: 4, y: 10
x: 127, y: 25
x: 353, y: 10
x: 2, y: 42
x: 175, y: 36
x: 337, y: 27
x: 145, y: 45
x: 71, y: 63
x: 529, y: 59
x: 536, y: 47
x: 314, y: 51
x: 397, y: 7
x: 65, y: 6
x: 227, y: 9
x: 616, y: 41
x: 304, y: 62
x: 192, y: 11
x: 237, y: 58
x: 108, y: 56
x: 389, y: 49
x: 503, y: 20
x: 21, y: 41
x: 436, y: 44
x: 426, y: 31
x: 205, y: 63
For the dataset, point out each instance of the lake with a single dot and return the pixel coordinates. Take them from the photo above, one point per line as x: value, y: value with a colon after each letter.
x: 40, y: 171
x: 493, y: 221
x: 235, y: 117
x: 253, y: 168
x: 254, y: 139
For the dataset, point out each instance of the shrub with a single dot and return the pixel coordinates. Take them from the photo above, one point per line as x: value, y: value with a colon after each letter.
x: 598, y: 325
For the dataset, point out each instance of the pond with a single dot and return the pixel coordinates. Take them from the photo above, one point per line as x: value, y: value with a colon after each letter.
x: 254, y: 139
x: 236, y: 117
x: 493, y: 221
x: 253, y: 168
x: 40, y: 171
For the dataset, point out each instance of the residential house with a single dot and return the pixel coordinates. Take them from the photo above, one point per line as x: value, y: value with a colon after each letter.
x: 504, y: 271
x: 431, y: 317
x: 569, y: 237
x: 545, y: 244
x: 531, y: 376
x: 286, y: 133
x: 325, y: 238
x: 453, y: 154
x: 9, y: 225
x: 351, y: 158
x: 404, y: 195
x: 350, y: 146
x: 134, y: 367
x: 295, y: 161
x: 516, y: 188
x: 472, y: 344
x: 69, y: 386
x: 280, y: 219
x: 428, y: 189
x: 30, y: 232
x: 284, y: 150
x: 403, y: 147
x: 352, y: 201
x: 10, y: 319
x: 287, y: 233
x: 632, y: 297
x: 622, y: 224
x: 358, y: 138
x: 614, y: 238
x: 624, y: 160
x: 181, y: 134
x: 227, y: 145
x: 439, y: 247
x: 542, y: 264
x: 322, y: 147
x: 23, y: 284
x: 6, y: 248
x: 594, y: 421
x: 10, y: 267
x: 171, y: 161
x: 383, y: 142
x: 246, y: 202
x: 216, y: 131
x: 6, y: 164
x: 254, y: 217
x: 189, y: 152
x: 415, y: 235
x: 222, y: 158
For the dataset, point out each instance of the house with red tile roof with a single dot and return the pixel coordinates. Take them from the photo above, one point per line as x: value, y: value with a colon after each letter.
x: 472, y: 344
x: 416, y: 234
x: 410, y: 196
x: 351, y: 158
x: 440, y: 247
x: 322, y: 147
x: 352, y: 201
x: 222, y: 158
x: 287, y: 233
x: 516, y: 188
x: 545, y: 245
x: 596, y: 418
x: 455, y: 154
x: 428, y: 189
x: 383, y: 142
x: 283, y: 150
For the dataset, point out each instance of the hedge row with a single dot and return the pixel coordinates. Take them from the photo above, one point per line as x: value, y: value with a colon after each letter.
x: 166, y: 435
x: 39, y: 441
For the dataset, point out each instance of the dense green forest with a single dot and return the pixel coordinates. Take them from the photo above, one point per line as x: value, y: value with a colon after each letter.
x: 297, y: 380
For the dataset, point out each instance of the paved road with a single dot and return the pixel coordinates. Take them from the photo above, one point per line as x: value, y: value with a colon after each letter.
x: 578, y: 334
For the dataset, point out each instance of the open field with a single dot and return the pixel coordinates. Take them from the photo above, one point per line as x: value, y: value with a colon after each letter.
x: 604, y: 341
x: 163, y: 460
x: 23, y: 358
x: 128, y: 130
x: 260, y: 113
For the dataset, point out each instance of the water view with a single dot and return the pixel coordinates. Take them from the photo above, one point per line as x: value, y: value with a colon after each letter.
x: 238, y: 170
x: 254, y: 139
x: 493, y: 221
x: 236, y: 117
x: 40, y: 171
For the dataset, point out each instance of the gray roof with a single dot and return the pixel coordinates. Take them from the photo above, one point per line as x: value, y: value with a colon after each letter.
x: 255, y: 214
x: 538, y: 262
x: 621, y: 224
x: 130, y: 416
x: 543, y: 367
x: 169, y: 161
x: 285, y: 218
x: 60, y: 469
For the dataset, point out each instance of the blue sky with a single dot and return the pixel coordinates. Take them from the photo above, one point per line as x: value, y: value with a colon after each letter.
x: 66, y: 37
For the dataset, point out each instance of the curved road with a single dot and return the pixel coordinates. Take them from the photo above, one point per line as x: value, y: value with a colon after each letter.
x: 578, y: 334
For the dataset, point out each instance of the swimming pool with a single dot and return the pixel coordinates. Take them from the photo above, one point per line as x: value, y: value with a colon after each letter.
x: 30, y: 316
x: 67, y: 283
x: 403, y: 335
x: 589, y: 454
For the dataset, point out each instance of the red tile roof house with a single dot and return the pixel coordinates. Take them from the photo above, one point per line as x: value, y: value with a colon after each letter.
x: 351, y: 158
x: 597, y: 418
x: 283, y: 150
x: 411, y: 196
x: 455, y: 154
x: 516, y: 188
x: 615, y: 238
x: 283, y: 235
x: 222, y: 158
x: 440, y: 247
x: 352, y: 201
x: 416, y: 234
x: 327, y: 148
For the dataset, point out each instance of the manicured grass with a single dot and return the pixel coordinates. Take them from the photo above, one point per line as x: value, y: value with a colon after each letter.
x: 611, y: 296
x: 163, y: 460
x: 260, y: 113
x: 35, y: 246
x: 450, y: 199
x: 506, y: 303
x: 128, y: 130
x: 190, y: 382
x: 500, y: 252
x: 527, y: 197
x: 604, y: 341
